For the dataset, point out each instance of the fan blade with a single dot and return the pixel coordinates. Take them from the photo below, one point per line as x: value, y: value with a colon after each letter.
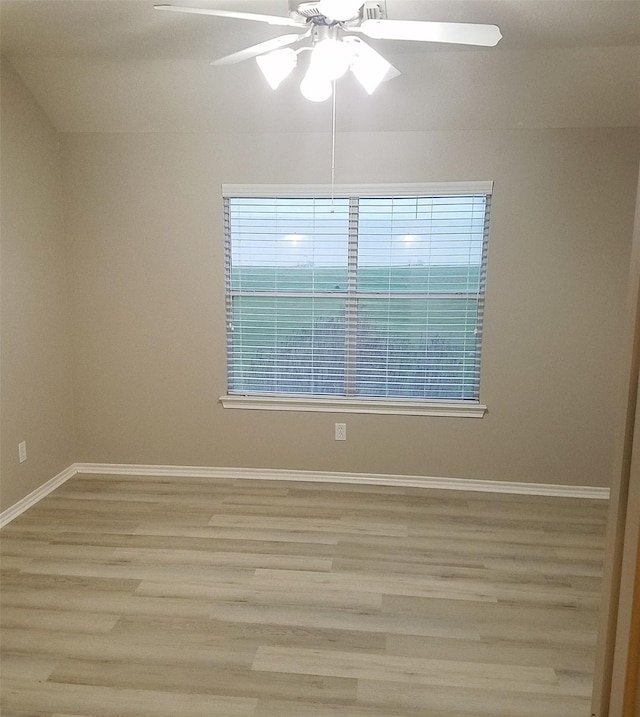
x: 452, y: 32
x: 259, y: 49
x: 269, y: 19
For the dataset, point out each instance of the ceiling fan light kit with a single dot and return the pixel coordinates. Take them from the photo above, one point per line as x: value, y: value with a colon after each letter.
x: 330, y: 56
x: 334, y: 49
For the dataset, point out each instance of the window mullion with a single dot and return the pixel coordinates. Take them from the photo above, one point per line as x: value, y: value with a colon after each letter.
x: 351, y: 305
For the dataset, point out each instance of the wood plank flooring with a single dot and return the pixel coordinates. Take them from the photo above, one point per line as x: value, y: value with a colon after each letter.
x: 145, y: 596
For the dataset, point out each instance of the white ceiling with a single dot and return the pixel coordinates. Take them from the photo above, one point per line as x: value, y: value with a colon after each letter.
x: 118, y: 65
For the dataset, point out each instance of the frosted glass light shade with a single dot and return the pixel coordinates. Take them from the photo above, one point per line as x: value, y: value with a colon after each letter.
x: 277, y: 65
x: 332, y: 58
x: 369, y: 67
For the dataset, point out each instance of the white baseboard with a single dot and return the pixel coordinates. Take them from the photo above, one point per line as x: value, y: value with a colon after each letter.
x: 402, y: 481
x: 38, y: 494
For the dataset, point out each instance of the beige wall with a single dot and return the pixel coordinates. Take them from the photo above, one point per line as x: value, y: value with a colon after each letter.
x: 143, y: 215
x: 144, y: 229
x: 619, y: 629
x: 35, y: 365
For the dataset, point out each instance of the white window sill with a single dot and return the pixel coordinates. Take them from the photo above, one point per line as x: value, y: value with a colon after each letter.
x: 451, y: 409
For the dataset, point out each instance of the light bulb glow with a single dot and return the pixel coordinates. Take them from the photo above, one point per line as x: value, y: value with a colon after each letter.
x: 315, y: 87
x: 340, y: 10
x: 277, y: 65
x: 331, y: 57
x: 293, y: 238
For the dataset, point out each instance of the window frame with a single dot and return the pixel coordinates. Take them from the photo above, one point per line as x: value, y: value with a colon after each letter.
x: 373, y: 405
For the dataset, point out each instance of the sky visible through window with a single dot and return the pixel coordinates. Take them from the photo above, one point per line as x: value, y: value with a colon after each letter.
x: 398, y: 231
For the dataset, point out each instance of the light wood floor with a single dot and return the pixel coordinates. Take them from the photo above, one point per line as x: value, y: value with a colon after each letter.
x: 144, y: 596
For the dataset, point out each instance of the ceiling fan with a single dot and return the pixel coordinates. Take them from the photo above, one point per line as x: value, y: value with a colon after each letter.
x: 333, y: 28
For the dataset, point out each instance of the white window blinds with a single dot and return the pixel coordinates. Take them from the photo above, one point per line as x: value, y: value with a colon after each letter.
x: 362, y: 296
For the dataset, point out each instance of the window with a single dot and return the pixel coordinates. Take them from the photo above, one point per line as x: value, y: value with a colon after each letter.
x: 370, y: 300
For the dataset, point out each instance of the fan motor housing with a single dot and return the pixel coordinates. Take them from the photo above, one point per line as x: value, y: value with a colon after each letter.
x: 308, y: 10
x: 304, y: 9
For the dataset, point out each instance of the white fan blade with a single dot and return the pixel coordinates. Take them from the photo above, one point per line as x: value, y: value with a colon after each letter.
x: 259, y: 49
x: 269, y: 19
x: 452, y: 32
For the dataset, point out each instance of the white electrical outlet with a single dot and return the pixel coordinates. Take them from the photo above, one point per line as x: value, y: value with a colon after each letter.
x: 22, y: 451
x: 341, y: 432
